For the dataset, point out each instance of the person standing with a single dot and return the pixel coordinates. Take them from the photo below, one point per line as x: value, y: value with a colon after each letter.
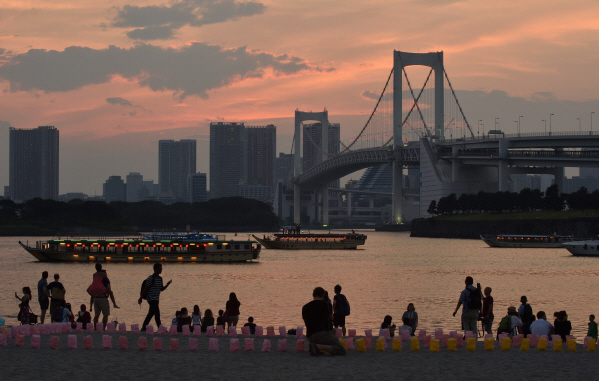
x: 412, y: 317
x: 526, y: 315
x: 57, y: 293
x: 470, y: 300
x: 487, y: 313
x: 151, y: 292
x: 42, y: 296
x: 100, y: 290
x: 341, y: 309
x: 232, y: 309
x: 24, y: 305
x: 316, y: 317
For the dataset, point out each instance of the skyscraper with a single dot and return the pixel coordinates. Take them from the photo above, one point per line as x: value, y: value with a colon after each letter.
x: 261, y: 146
x: 33, y: 163
x: 135, y: 184
x: 227, y: 158
x: 312, y: 151
x: 283, y: 167
x: 115, y: 189
x: 196, y: 187
x: 176, y: 160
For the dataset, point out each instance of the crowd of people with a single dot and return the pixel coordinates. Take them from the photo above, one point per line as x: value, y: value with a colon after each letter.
x: 322, y: 316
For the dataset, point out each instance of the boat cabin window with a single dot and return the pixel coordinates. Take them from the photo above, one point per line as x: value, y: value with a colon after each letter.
x: 236, y: 247
x: 219, y: 247
x: 247, y: 247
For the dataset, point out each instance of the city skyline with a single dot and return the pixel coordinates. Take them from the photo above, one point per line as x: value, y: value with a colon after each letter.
x: 505, y: 59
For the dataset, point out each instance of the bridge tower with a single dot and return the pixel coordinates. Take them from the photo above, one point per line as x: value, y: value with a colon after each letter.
x: 300, y: 117
x: 433, y: 60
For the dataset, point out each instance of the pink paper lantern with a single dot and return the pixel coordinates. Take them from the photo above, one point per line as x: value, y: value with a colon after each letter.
x: 266, y: 345
x: 234, y: 345
x: 368, y: 332
x: 53, y: 342
x: 220, y: 331
x: 232, y: 331
x: 368, y: 342
x: 534, y: 340
x: 157, y: 344
x: 88, y: 342
x: 213, y: 344
x: 405, y: 335
x: 349, y: 343
x: 460, y: 341
x: 142, y: 343
x: 421, y: 334
x: 282, y: 345
x: 299, y: 332
x: 106, y: 342
x: 35, y: 341
x: 426, y: 343
x: 99, y: 327
x: 352, y: 333
x: 444, y: 340
x: 300, y: 346
x: 259, y: 332
x: 35, y: 330
x: 135, y: 328
x: 193, y: 343
x: 72, y: 341
x: 89, y: 328
x: 438, y: 334
x: 20, y: 340
x: 3, y: 340
x: 339, y: 333
x: 110, y: 328
x: 245, y: 331
x: 174, y: 344
x: 197, y: 330
x: 210, y: 331
x: 123, y: 342
x: 173, y: 330
x: 249, y: 344
x: 149, y: 329
x: 122, y: 328
x: 186, y: 330
x: 79, y: 327
x: 270, y: 331
x: 282, y: 331
x: 161, y: 330
x: 517, y: 340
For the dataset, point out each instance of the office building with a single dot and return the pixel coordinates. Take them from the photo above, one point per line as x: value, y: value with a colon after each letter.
x: 261, y: 145
x: 149, y: 190
x: 227, y: 158
x: 196, y: 187
x: 115, y: 189
x: 33, y: 163
x: 257, y: 192
x: 283, y: 167
x: 312, y: 151
x: 134, y: 182
x: 176, y: 160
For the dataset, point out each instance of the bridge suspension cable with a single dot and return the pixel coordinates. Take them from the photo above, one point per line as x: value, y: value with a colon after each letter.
x: 457, y: 101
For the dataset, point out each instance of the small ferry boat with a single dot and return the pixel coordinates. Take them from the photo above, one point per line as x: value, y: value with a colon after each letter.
x: 519, y: 240
x: 194, y: 247
x: 583, y: 248
x: 313, y: 241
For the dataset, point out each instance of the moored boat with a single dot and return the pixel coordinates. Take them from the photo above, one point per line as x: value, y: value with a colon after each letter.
x: 519, y: 240
x: 194, y: 247
x: 583, y: 248
x: 313, y: 241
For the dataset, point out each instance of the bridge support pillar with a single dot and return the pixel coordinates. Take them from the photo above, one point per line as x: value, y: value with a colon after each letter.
x: 397, y: 196
x: 559, y: 178
x: 296, y: 204
x: 348, y: 198
x: 325, y: 205
x: 502, y: 170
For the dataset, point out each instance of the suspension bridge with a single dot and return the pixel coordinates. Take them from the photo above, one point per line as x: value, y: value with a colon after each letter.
x: 412, y: 133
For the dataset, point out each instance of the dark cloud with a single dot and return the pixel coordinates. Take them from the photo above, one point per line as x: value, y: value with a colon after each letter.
x: 119, y: 101
x: 367, y: 94
x: 192, y: 70
x: 158, y: 22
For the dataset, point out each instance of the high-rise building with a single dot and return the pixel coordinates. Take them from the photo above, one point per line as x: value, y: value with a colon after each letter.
x: 261, y: 146
x: 283, y: 167
x: 227, y: 158
x: 115, y: 189
x: 312, y: 151
x: 33, y: 163
x: 176, y: 160
x: 196, y: 187
x: 135, y: 182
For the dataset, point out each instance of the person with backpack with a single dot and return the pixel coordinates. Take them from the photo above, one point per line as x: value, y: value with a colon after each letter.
x: 61, y: 314
x: 150, y: 290
x: 340, y: 309
x: 471, y: 303
x: 526, y: 314
x: 412, y: 317
x: 509, y: 323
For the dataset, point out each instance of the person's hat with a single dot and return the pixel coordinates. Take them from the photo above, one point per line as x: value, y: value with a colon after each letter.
x: 511, y: 310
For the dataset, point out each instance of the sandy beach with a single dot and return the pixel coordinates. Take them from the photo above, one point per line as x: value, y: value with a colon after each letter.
x: 26, y: 363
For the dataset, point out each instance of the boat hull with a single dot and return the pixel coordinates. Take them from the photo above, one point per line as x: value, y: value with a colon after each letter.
x: 588, y: 248
x: 493, y: 242
x: 299, y: 244
x: 45, y: 255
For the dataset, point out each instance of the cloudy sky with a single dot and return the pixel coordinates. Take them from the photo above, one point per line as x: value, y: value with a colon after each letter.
x: 116, y: 76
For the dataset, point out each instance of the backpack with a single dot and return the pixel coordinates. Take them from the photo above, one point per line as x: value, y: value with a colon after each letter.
x: 97, y: 288
x: 343, y: 307
x: 58, y: 314
x: 505, y: 325
x: 527, y: 316
x: 144, y: 295
x: 474, y: 299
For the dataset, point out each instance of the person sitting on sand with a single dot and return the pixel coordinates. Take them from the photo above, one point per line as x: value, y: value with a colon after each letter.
x: 541, y: 326
x: 387, y: 325
x: 208, y: 320
x: 563, y: 326
x: 251, y: 324
x: 196, y: 316
x: 405, y: 326
x: 184, y: 319
x: 316, y: 315
x: 175, y: 320
x: 83, y: 316
x: 510, y: 322
x: 220, y: 320
x: 412, y: 316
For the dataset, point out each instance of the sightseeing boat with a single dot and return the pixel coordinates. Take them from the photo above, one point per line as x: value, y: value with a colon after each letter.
x: 519, y: 240
x: 195, y: 247
x: 313, y: 241
x: 583, y: 248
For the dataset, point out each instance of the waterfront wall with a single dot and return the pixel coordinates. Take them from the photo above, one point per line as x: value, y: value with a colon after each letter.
x: 435, y: 228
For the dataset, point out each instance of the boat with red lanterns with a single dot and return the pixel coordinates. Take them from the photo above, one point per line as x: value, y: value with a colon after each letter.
x: 189, y: 247
x: 530, y: 241
x: 312, y: 241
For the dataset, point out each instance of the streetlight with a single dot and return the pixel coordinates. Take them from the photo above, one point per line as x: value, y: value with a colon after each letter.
x: 579, y: 130
x: 545, y: 125
x: 496, y: 123
x: 550, y: 118
x: 482, y: 124
x: 516, y: 125
x: 519, y: 125
x: 592, y: 112
x: 480, y: 120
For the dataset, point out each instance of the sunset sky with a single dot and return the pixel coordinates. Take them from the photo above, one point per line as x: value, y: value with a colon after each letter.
x: 116, y: 76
